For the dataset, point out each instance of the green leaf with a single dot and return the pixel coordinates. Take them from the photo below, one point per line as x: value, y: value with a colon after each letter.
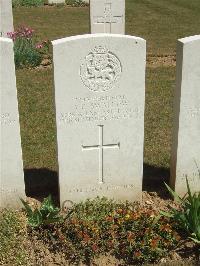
x: 174, y: 194
x: 27, y: 207
x: 45, y: 215
x: 167, y: 214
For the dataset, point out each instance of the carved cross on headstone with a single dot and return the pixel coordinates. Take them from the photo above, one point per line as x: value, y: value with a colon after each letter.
x: 108, y: 19
x: 101, y: 146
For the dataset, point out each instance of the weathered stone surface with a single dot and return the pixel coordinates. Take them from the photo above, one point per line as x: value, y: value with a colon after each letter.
x: 186, y: 136
x: 99, y: 95
x: 11, y: 168
x: 56, y: 1
x: 107, y: 16
x: 6, y: 17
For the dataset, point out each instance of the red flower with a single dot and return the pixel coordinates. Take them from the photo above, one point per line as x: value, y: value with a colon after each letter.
x: 154, y: 243
x: 130, y: 236
x: 94, y: 247
x: 110, y: 244
x: 119, y: 211
x: 137, y: 253
x: 86, y: 238
x: 165, y: 228
x: 109, y: 219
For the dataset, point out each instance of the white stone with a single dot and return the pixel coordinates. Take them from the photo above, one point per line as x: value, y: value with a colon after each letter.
x: 99, y: 96
x: 56, y: 1
x: 11, y: 168
x: 186, y: 136
x: 107, y: 16
x: 6, y: 17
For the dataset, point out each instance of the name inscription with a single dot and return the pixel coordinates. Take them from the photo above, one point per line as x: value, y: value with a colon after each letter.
x: 191, y: 177
x: 100, y: 108
x: 6, y: 119
x: 8, y: 190
x: 100, y: 188
x: 193, y: 112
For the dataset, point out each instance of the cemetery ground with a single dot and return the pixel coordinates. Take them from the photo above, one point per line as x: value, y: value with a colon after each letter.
x: 161, y: 23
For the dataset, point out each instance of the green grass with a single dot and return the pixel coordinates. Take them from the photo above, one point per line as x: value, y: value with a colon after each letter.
x: 12, y: 238
x: 37, y: 118
x: 161, y: 23
x: 158, y: 115
x: 53, y: 22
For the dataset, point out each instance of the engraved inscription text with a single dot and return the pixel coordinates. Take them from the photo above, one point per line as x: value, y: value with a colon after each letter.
x: 99, y: 109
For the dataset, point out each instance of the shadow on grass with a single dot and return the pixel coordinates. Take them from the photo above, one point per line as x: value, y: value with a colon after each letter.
x: 39, y: 183
x: 154, y: 178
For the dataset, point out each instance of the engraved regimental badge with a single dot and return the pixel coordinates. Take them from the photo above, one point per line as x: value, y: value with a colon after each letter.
x: 100, y: 70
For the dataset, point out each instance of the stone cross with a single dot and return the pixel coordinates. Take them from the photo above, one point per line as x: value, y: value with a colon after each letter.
x: 108, y: 19
x: 101, y: 148
x: 6, y: 17
x: 185, y: 158
x: 107, y: 16
x: 103, y: 89
x: 12, y: 186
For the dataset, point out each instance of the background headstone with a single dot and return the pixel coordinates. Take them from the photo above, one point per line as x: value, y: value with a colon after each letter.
x: 186, y: 135
x: 99, y: 95
x: 107, y: 16
x: 11, y: 168
x: 56, y: 1
x: 6, y: 17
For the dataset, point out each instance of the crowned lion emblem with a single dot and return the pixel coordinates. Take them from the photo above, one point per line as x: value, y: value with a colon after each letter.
x: 100, y: 70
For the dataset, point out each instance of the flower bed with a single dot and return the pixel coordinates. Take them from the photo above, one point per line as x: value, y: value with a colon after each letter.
x: 96, y: 232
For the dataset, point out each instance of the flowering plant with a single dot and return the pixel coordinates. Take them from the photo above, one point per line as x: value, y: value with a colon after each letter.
x: 124, y: 230
x: 22, y: 32
x: 27, y: 51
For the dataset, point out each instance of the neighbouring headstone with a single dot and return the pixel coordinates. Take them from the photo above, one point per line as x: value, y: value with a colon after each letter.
x: 107, y: 16
x: 6, y: 17
x: 56, y: 1
x: 186, y: 136
x: 99, y: 96
x: 11, y: 168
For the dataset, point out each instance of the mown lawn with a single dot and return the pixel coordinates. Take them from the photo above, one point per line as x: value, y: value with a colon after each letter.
x: 161, y: 23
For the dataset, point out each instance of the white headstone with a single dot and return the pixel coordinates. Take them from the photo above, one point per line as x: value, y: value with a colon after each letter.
x: 56, y: 1
x: 11, y: 168
x: 186, y: 136
x: 6, y: 17
x: 107, y: 16
x: 99, y: 92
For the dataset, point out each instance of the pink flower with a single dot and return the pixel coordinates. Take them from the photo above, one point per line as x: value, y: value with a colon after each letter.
x: 12, y: 35
x: 22, y: 32
x: 39, y: 46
